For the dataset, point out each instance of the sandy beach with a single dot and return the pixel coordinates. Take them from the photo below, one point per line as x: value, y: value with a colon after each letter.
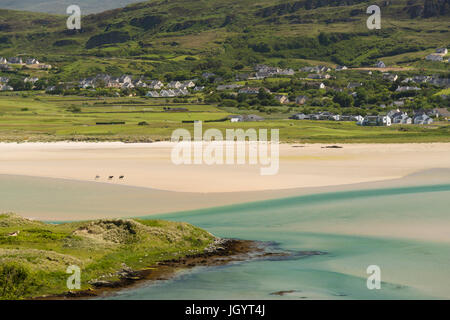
x: 150, y: 165
x: 38, y: 179
x: 395, y: 213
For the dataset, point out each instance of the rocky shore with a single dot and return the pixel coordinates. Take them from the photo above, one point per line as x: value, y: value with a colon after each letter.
x: 221, y: 252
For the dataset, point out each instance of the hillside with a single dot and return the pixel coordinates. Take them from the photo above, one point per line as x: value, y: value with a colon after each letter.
x: 34, y: 256
x: 156, y: 37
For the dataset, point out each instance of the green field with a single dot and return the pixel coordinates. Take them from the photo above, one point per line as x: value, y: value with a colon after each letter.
x: 34, y: 256
x: 445, y: 92
x: 52, y: 118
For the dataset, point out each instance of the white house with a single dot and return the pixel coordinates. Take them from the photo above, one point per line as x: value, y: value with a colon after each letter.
x: 358, y: 118
x: 174, y: 84
x: 402, y: 118
x: 390, y: 77
x: 406, y: 88
x: 335, y: 117
x: 127, y: 85
x: 282, y: 99
x: 301, y: 99
x: 6, y: 88
x: 155, y: 85
x: 300, y: 116
x: 152, y: 94
x: 422, y: 119
x: 188, y: 84
x: 287, y: 72
x: 318, y: 76
x: 236, y: 118
x: 32, y: 79
x: 352, y: 85
x: 252, y: 90
x: 32, y: 61
x: 340, y: 68
x: 15, y: 60
x: 181, y: 92
x: 434, y: 57
x: 376, y: 121
x: 167, y: 93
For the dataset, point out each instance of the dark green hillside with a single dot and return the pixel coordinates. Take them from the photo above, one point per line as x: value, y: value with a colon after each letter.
x: 156, y: 37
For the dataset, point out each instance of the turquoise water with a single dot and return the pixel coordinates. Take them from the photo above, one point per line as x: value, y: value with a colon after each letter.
x: 402, y: 230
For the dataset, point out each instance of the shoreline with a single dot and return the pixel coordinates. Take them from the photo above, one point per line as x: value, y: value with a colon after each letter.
x: 223, y: 252
x: 115, y: 201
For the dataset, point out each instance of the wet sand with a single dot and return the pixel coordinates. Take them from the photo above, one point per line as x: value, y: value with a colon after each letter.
x: 56, y: 181
x: 66, y: 200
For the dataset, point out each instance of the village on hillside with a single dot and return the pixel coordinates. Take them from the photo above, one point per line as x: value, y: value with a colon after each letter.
x: 374, y: 96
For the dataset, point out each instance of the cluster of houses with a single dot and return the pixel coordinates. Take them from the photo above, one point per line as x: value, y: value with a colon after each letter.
x: 4, y: 62
x: 406, y: 88
x: 434, y: 80
x: 392, y: 117
x: 107, y: 81
x: 167, y: 93
x: 263, y: 71
x: 245, y: 118
x: 172, y: 89
x: 439, y: 55
x: 316, y: 69
x: 156, y: 88
x: 326, y: 116
x: 4, y: 84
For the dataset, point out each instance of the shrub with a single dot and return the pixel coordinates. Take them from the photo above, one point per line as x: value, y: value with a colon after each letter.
x: 15, y: 281
x: 74, y: 109
x: 229, y: 103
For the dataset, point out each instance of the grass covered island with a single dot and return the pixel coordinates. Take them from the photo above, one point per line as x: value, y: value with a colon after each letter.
x: 111, y: 253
